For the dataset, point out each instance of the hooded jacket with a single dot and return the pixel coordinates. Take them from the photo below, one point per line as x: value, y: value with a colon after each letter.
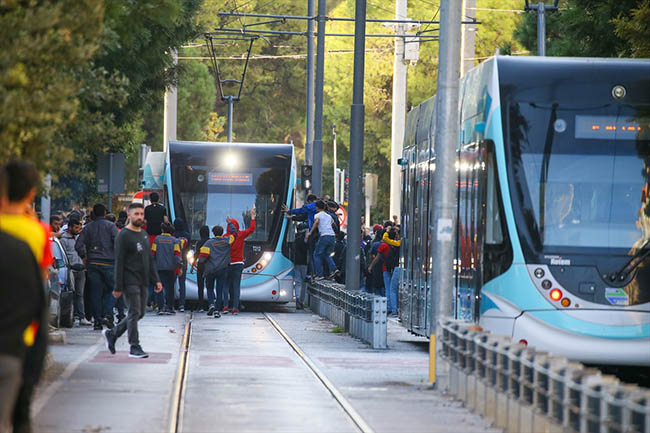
x: 237, y: 250
x: 68, y: 242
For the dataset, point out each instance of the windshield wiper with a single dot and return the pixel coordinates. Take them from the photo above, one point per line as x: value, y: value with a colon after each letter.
x: 632, y: 264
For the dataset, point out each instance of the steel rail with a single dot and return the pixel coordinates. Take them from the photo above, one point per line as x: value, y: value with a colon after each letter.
x: 178, y: 397
x: 356, y: 418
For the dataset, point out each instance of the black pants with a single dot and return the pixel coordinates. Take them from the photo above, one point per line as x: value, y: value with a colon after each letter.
x: 168, y: 278
x: 200, y: 282
x: 136, y: 301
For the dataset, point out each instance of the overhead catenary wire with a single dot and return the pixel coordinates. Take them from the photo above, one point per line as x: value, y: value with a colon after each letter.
x: 282, y: 56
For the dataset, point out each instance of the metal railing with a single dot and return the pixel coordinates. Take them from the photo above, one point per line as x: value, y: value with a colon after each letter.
x: 361, y: 314
x: 523, y: 390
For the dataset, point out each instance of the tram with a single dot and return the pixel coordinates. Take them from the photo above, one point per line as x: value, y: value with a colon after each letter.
x: 553, y: 177
x: 205, y: 182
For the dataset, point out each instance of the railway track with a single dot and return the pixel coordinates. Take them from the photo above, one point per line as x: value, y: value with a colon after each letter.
x: 182, y: 375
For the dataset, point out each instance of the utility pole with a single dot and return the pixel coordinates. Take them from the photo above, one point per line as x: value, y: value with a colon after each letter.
x: 444, y: 176
x: 317, y: 166
x: 469, y: 37
x: 171, y: 111
x: 541, y: 9
x: 309, y: 136
x: 334, y: 150
x: 399, y: 110
x: 357, y: 113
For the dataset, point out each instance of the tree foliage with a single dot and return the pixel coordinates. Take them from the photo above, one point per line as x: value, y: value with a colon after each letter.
x: 591, y: 28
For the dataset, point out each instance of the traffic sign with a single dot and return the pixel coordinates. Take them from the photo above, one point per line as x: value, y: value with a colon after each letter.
x: 343, y: 215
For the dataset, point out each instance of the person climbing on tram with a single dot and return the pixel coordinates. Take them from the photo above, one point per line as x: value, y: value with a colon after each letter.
x: 237, y: 260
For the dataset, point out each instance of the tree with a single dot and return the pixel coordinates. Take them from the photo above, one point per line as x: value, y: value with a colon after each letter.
x: 585, y: 28
x: 46, y: 47
x: 634, y: 30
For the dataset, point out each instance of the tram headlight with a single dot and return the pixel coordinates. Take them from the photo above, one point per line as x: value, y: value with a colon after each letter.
x: 539, y: 272
x: 231, y: 161
x: 190, y: 257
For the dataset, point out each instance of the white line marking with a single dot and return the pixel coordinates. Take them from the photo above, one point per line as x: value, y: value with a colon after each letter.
x: 42, y: 399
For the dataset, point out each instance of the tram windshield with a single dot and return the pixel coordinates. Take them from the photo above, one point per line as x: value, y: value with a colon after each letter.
x: 582, y: 175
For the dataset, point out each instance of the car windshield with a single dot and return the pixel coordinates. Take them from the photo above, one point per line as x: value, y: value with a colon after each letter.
x: 582, y: 175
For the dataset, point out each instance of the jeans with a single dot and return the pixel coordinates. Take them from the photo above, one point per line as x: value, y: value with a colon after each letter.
x: 11, y: 370
x: 78, y: 302
x: 101, y: 286
x: 394, y: 287
x: 299, y: 282
x: 181, y: 286
x: 167, y: 278
x: 234, y: 284
x: 136, y: 300
x: 387, y: 277
x: 323, y: 254
x: 218, y: 278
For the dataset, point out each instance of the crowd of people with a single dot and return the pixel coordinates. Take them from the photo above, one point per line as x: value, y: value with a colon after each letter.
x: 123, y: 265
x: 320, y: 249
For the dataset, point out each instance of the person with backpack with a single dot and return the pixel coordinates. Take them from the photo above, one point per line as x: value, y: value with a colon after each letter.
x: 166, y: 251
x: 215, y: 255
x: 183, y: 237
x: 389, y: 261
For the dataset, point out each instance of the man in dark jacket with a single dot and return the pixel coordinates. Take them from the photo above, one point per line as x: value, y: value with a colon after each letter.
x: 215, y: 255
x: 134, y: 272
x: 96, y: 245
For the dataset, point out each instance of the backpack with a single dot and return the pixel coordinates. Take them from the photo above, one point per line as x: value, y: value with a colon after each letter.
x: 392, y: 261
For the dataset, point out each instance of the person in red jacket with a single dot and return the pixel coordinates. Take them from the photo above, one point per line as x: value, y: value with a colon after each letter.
x: 237, y: 260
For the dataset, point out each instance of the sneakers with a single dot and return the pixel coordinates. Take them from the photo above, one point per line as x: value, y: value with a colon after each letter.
x: 137, y: 352
x: 110, y: 340
x: 211, y: 310
x: 109, y: 322
x: 182, y: 309
x: 299, y: 305
x: 225, y: 310
x: 97, y: 326
x: 235, y: 311
x: 217, y: 314
x: 334, y: 274
x: 84, y: 322
x: 169, y: 312
x: 160, y: 313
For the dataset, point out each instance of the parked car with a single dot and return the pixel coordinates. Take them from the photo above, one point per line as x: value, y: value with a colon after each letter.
x: 60, y: 288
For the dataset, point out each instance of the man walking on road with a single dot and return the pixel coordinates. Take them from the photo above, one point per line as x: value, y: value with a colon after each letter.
x: 134, y: 271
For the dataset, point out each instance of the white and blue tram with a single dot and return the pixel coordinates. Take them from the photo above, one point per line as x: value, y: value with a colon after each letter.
x: 553, y: 165
x: 205, y: 182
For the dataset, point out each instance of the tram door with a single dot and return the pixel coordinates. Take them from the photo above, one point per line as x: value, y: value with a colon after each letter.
x: 408, y: 236
x: 470, y: 230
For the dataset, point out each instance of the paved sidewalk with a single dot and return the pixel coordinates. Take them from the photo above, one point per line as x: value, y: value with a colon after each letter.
x: 89, y: 390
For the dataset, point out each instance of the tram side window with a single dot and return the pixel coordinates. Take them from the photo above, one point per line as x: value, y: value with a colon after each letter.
x: 493, y: 223
x: 498, y: 251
